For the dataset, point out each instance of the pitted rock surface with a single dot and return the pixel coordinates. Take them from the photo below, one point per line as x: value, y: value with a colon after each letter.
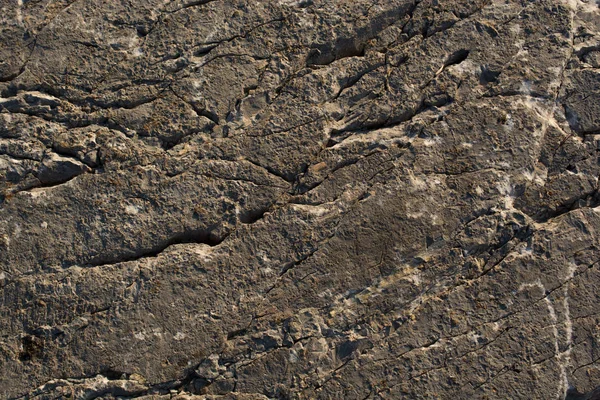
x: 312, y: 199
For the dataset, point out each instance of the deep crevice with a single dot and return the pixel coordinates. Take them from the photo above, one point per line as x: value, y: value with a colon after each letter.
x: 339, y: 135
x: 197, y: 236
x: 586, y: 200
x: 457, y: 57
x: 252, y: 216
x: 237, y: 333
x: 574, y: 394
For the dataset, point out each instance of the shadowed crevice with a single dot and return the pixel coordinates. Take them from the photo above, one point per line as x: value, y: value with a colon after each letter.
x: 197, y: 236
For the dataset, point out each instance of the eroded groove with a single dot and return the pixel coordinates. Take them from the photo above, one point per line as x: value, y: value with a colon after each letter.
x: 574, y: 394
x: 198, y: 236
x: 192, y: 4
x: 253, y: 216
x: 586, y: 200
x: 339, y: 135
x: 286, y: 177
x: 353, y: 80
x: 457, y: 57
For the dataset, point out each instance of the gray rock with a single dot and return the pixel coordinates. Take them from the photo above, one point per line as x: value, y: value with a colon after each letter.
x: 299, y: 199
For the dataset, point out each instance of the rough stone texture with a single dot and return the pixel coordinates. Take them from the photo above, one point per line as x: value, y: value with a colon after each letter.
x: 312, y: 199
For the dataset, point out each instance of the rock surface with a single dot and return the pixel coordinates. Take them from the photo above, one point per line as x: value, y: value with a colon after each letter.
x: 303, y: 199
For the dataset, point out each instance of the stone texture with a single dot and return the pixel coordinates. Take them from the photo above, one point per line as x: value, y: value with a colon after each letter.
x: 312, y: 199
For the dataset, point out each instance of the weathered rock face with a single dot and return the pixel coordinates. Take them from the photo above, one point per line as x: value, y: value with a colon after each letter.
x: 300, y: 199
